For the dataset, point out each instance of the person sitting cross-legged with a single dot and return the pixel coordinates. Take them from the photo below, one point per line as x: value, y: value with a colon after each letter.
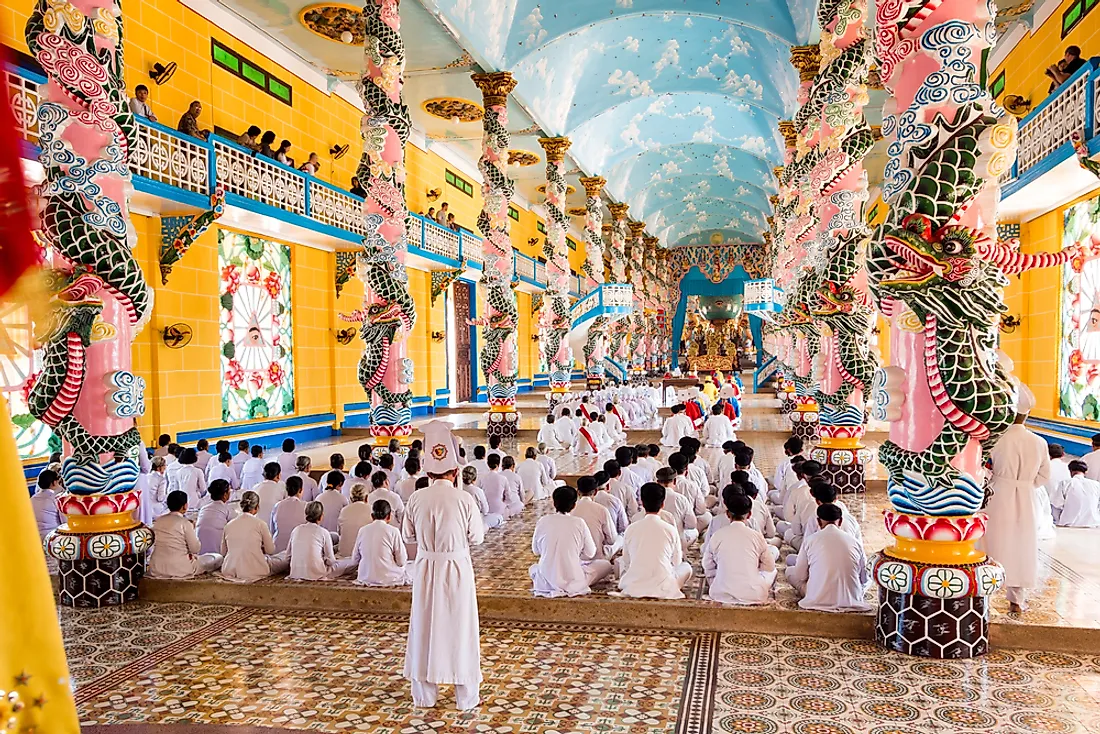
x: 566, y: 551
x: 831, y: 573
x: 379, y: 552
x: 248, y: 546
x: 653, y: 560
x: 176, y: 548
x: 310, y: 550
x: 739, y: 558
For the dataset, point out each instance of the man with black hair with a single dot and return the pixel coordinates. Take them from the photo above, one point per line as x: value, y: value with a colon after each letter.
x: 379, y: 553
x: 831, y: 572
x: 823, y: 494
x: 598, y: 519
x: 498, y: 489
x: 738, y: 558
x: 288, y: 458
x: 743, y: 461
x: 618, y: 488
x: 569, y: 561
x: 494, y: 447
x: 792, y: 447
x: 271, y: 491
x: 799, y: 497
x: 610, y: 501
x: 653, y: 564
x: 719, y: 428
x: 565, y: 428
x: 633, y: 479
x: 689, y: 488
x: 479, y: 461
x: 677, y: 506
x: 176, y: 550
x: 548, y: 434
x: 676, y: 427
x: 1076, y: 501
x: 648, y: 461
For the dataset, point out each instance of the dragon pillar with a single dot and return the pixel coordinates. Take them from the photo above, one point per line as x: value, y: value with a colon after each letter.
x: 86, y: 391
x: 388, y: 313
x: 595, y: 346
x: 499, y: 354
x: 555, y: 321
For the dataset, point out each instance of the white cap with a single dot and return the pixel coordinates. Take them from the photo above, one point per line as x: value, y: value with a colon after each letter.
x: 1025, y: 399
x: 440, y: 448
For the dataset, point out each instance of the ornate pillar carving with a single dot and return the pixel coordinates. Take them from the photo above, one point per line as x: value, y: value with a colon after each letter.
x: 389, y: 312
x: 499, y: 351
x: 595, y: 345
x: 555, y: 320
x: 86, y: 391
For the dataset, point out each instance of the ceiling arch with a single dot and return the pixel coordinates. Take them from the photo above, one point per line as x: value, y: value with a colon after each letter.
x: 682, y: 224
x: 732, y: 214
x: 671, y: 190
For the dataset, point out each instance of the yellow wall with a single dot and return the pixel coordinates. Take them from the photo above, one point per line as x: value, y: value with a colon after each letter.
x: 1027, y: 61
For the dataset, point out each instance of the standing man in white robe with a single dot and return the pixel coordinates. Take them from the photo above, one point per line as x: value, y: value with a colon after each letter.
x: 718, y: 429
x: 1020, y: 464
x: 444, y: 629
x: 676, y: 427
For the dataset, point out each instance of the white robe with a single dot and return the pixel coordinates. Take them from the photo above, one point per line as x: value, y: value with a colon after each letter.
x: 1092, y: 458
x: 352, y: 518
x: 831, y: 573
x: 615, y: 507
x: 601, y: 525
x: 397, y: 505
x: 549, y: 436
x: 566, y: 430
x: 176, y: 550
x: 620, y: 489
x: 563, y: 545
x: 551, y: 468
x: 675, y: 428
x: 444, y: 629
x: 717, y: 430
x: 215, y: 471
x: 1020, y: 464
x: 743, y: 565
x: 1044, y: 511
x: 1078, y: 502
x: 287, y: 515
x: 46, y: 514
x: 288, y: 463
x: 653, y: 561
x: 271, y: 493
x: 252, y: 473
x: 211, y: 523
x: 250, y: 550
x: 380, y: 556
x: 491, y: 520
x: 533, y: 479
x: 586, y: 442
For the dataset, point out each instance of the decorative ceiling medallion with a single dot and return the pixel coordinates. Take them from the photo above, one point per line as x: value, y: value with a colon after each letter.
x: 716, y: 238
x: 522, y: 158
x: 578, y: 211
x: 449, y: 108
x: 333, y: 21
x: 569, y: 190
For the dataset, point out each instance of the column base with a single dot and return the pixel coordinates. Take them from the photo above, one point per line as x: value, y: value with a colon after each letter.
x: 806, y: 431
x: 91, y: 583
x: 928, y: 627
x: 848, y: 479
x: 503, y: 424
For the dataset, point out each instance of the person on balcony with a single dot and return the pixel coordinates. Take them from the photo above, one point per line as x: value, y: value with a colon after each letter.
x: 431, y: 213
x: 312, y: 166
x: 281, y: 154
x: 1062, y: 70
x: 356, y: 188
x: 265, y: 145
x: 189, y: 122
x: 250, y: 138
x: 441, y: 217
x: 451, y: 223
x: 139, y: 103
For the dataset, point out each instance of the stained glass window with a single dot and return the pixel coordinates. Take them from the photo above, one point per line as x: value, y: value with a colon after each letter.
x: 256, y: 332
x: 1079, y: 347
x: 19, y: 362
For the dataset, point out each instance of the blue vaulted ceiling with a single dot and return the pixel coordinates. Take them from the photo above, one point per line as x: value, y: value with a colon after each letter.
x: 675, y: 102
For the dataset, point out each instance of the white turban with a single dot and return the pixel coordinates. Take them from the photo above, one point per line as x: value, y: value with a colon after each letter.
x: 1025, y: 399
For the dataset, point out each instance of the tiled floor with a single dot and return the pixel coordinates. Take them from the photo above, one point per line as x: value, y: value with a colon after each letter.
x: 339, y: 673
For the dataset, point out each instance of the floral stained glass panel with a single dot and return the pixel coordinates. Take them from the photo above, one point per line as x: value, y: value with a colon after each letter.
x: 256, y: 331
x: 20, y: 361
x: 1079, y: 346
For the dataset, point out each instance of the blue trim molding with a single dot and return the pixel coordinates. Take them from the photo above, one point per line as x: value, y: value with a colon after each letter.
x: 1075, y: 439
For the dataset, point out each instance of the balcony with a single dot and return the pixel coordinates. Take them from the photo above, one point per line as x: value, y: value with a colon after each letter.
x: 1045, y: 148
x: 173, y: 172
x: 611, y: 300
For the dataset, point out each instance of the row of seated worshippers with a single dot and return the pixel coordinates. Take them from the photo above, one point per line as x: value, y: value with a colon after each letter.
x: 1071, y: 498
x: 351, y: 524
x: 652, y: 520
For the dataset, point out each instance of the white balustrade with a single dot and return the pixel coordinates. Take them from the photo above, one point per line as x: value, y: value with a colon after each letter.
x: 335, y: 208
x: 617, y: 295
x: 260, y: 179
x: 540, y: 273
x: 170, y: 158
x: 439, y: 240
x: 472, y: 250
x: 525, y: 267
x: 1053, y: 125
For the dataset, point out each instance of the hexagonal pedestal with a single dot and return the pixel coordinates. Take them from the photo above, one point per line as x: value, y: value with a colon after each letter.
x: 932, y: 628
x: 806, y: 431
x: 93, y: 583
x: 848, y: 479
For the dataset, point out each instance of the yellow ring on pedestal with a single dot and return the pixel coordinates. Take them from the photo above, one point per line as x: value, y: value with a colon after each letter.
x: 936, y: 552
x: 102, y: 523
x: 502, y: 409
x: 850, y: 442
x: 559, y: 390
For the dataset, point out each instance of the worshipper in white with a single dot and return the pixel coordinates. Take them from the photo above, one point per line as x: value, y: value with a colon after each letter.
x: 653, y: 564
x: 670, y: 396
x: 380, y: 490
x: 379, y: 552
x: 223, y: 469
x: 498, y: 490
x: 548, y: 434
x: 565, y: 429
x: 609, y: 501
x: 154, y: 497
x: 514, y: 494
x: 547, y: 462
x: 241, y: 457
x: 407, y: 486
x: 444, y: 629
x: 252, y: 473
x: 676, y: 427
x: 823, y: 494
x: 1020, y: 464
x: 1092, y: 458
x: 176, y: 548
x: 353, y: 518
x: 739, y: 559
x: 598, y: 429
x: 333, y: 500
x: 44, y: 502
x: 248, y: 546
x: 648, y: 462
x: 798, y: 499
x: 792, y: 447
x: 310, y: 489
x: 310, y: 550
x: 616, y: 423
x: 586, y: 442
x: 688, y: 487
x: 174, y: 466
x: 202, y: 454
x: 288, y: 458
x: 567, y: 552
x: 288, y: 514
x: 831, y: 573
x: 533, y: 478
x: 718, y: 429
x: 271, y: 491
x: 470, y: 487
x: 678, y: 506
x: 336, y: 464
x: 601, y: 525
x: 619, y: 489
x: 1076, y: 501
x: 213, y: 517
x: 1044, y: 510
x: 191, y: 479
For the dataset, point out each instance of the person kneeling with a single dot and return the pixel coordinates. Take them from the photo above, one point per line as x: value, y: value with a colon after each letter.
x: 176, y: 549
x: 565, y: 549
x: 248, y: 546
x: 740, y: 558
x: 653, y: 558
x: 831, y: 573
x: 310, y: 549
x: 379, y: 551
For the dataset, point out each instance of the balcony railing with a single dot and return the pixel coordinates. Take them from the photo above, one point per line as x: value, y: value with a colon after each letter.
x: 613, y: 300
x: 165, y: 157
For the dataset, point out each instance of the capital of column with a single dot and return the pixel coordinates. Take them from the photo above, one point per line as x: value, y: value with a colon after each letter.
x: 606, y: 228
x: 876, y: 132
x: 774, y: 201
x: 593, y: 185
x: 555, y: 148
x: 874, y: 79
x: 636, y: 229
x: 790, y: 135
x: 807, y: 59
x: 651, y: 242
x: 495, y: 87
x: 778, y: 171
x: 618, y: 211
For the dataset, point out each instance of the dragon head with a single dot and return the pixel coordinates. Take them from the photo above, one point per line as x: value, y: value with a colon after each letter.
x: 837, y: 300
x: 925, y: 255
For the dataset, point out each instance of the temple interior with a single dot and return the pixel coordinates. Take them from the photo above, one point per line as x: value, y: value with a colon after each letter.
x: 615, y: 366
